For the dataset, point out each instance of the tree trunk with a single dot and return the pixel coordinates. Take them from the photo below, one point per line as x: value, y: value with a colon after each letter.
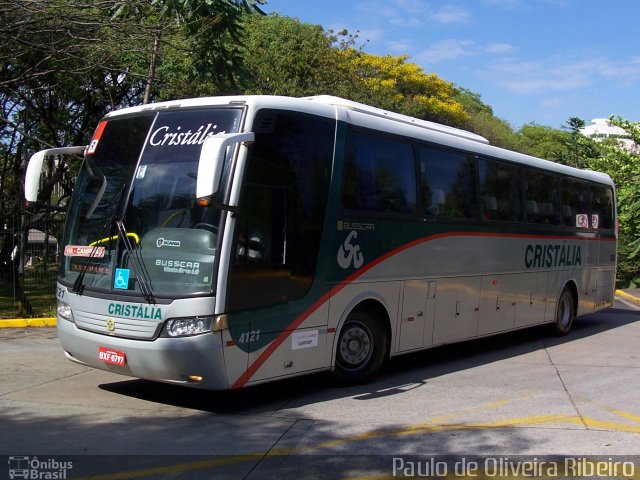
x: 152, y: 67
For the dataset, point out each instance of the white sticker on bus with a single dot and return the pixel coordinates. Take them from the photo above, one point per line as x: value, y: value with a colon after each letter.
x: 306, y: 339
x: 582, y: 220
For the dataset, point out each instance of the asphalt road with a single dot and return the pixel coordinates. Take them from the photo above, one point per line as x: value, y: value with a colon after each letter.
x: 519, y: 394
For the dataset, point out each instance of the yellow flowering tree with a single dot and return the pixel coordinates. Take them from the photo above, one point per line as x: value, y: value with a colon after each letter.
x: 287, y: 57
x: 394, y: 83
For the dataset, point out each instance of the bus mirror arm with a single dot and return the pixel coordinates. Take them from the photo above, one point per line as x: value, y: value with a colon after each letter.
x: 212, y: 157
x: 34, y: 169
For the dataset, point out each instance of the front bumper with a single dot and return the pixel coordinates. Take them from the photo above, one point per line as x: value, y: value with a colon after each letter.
x: 169, y: 360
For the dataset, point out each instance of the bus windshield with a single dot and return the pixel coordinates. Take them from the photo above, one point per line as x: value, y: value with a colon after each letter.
x: 134, y: 226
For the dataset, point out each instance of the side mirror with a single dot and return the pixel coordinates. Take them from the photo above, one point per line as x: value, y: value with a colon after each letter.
x: 212, y: 158
x: 34, y: 169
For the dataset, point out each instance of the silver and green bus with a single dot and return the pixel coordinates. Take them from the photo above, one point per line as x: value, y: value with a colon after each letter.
x: 228, y: 241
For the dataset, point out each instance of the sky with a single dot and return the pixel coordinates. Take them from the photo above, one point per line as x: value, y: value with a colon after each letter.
x: 540, y: 61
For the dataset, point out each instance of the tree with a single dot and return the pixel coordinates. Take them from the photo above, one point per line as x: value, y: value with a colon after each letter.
x: 64, y: 64
x: 483, y: 121
x: 623, y: 166
x: 395, y: 84
x: 43, y: 76
x: 284, y: 56
x: 578, y: 148
x: 543, y: 141
x: 207, y: 34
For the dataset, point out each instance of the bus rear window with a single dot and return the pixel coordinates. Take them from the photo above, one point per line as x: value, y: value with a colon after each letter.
x: 601, y: 207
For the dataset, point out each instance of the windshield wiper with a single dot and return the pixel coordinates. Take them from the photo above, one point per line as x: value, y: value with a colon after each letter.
x: 78, y: 284
x: 139, y: 270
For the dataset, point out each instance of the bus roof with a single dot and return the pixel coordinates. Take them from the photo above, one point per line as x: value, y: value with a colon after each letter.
x: 374, y: 118
x: 396, y: 117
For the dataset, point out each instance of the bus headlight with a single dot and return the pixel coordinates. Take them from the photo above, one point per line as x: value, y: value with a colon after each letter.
x: 64, y: 311
x: 186, y: 327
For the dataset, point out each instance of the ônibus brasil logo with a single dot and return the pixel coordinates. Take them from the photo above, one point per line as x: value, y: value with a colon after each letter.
x: 34, y: 468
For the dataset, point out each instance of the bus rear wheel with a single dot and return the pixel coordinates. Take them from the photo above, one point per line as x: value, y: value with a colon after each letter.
x: 565, y: 313
x: 361, y: 348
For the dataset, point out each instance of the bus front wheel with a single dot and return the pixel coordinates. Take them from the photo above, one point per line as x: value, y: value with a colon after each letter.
x: 361, y: 348
x: 565, y: 313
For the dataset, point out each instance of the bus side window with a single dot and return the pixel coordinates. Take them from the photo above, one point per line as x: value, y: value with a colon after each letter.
x: 500, y: 189
x: 448, y: 184
x: 541, y: 198
x: 574, y: 197
x: 380, y: 175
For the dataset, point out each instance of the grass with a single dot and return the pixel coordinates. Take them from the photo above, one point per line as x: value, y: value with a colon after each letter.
x: 40, y: 291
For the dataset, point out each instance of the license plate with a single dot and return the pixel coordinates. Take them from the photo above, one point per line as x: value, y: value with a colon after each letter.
x: 112, y: 356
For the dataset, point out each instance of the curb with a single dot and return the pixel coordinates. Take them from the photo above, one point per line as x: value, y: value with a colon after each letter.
x: 628, y: 297
x: 28, y: 322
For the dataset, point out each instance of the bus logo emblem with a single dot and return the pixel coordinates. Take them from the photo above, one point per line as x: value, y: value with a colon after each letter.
x: 111, y: 325
x: 163, y: 242
x: 348, y: 253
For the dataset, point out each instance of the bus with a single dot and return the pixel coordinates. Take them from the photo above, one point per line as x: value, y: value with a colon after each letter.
x: 224, y: 242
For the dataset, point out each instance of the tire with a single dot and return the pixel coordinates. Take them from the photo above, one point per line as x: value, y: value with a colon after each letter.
x: 565, y: 313
x: 361, y: 349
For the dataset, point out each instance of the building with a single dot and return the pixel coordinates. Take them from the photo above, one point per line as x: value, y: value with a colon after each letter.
x: 601, y: 128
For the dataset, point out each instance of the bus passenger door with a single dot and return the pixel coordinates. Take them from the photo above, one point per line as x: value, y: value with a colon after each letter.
x: 418, y: 310
x: 277, y: 238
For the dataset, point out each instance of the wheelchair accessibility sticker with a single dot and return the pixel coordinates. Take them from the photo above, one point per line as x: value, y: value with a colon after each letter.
x: 122, y: 278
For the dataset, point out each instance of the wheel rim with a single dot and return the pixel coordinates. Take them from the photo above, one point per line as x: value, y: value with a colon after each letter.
x: 355, y: 346
x: 564, y: 316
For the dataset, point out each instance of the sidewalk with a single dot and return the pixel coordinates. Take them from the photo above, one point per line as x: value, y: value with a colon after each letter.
x: 629, y: 294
